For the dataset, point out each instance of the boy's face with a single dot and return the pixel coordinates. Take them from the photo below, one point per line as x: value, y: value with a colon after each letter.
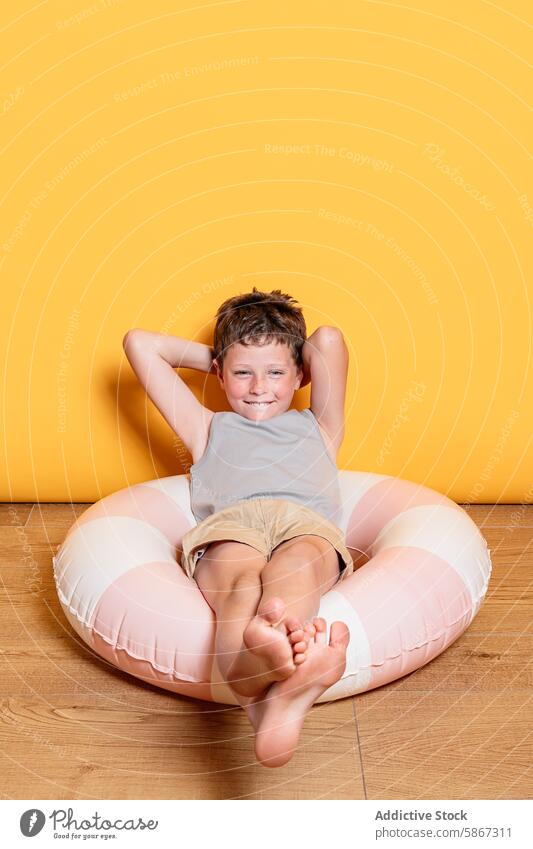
x: 259, y: 380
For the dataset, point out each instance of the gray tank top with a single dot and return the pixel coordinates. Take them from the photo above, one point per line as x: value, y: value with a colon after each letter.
x: 281, y: 457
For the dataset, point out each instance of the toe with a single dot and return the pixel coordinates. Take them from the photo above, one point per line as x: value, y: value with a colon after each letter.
x: 300, y: 647
x: 293, y: 624
x: 296, y: 636
x: 320, y: 625
x: 310, y: 629
x: 339, y: 635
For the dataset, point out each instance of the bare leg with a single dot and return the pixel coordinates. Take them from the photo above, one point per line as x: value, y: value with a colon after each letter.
x: 276, y: 713
x: 300, y: 575
x: 228, y: 575
x: 300, y: 571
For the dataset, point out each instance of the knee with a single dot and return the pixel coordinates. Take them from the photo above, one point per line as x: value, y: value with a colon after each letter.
x: 309, y: 552
x: 296, y: 554
x: 247, y: 580
x: 303, y: 559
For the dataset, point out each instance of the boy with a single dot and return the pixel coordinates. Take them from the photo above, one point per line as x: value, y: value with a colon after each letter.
x: 265, y: 494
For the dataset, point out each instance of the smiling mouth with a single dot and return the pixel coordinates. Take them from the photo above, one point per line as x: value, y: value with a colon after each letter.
x: 259, y: 404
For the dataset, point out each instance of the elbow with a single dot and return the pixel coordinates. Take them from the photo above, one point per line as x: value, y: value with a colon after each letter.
x: 140, y: 340
x: 129, y: 337
x: 329, y: 335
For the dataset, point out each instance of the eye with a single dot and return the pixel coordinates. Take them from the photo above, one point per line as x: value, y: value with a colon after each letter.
x: 241, y: 371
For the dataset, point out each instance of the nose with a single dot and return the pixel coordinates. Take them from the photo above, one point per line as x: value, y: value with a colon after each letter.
x: 257, y: 387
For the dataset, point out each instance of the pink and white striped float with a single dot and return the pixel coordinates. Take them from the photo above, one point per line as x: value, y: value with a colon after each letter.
x: 122, y: 588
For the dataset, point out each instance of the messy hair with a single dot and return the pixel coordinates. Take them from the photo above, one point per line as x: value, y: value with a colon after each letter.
x: 258, y: 318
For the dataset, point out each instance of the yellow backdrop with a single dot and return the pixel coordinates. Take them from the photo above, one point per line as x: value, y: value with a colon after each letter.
x: 371, y: 158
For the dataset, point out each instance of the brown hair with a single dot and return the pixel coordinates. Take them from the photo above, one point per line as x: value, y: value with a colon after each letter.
x: 258, y: 318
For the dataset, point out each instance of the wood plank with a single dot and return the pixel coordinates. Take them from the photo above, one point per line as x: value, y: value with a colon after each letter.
x: 15, y: 513
x: 439, y: 745
x: 503, y: 516
x: 89, y: 748
x: 42, y: 538
x: 482, y: 663
x: 47, y: 513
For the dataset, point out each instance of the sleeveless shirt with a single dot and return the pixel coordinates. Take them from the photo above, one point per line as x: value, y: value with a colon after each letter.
x: 281, y: 457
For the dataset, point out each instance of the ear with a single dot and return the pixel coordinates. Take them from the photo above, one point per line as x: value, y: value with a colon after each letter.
x: 299, y: 378
x: 218, y: 371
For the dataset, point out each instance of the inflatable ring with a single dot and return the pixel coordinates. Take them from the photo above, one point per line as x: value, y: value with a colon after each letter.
x: 120, y: 583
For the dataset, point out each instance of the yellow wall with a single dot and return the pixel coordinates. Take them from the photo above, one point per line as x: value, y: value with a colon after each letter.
x: 370, y: 158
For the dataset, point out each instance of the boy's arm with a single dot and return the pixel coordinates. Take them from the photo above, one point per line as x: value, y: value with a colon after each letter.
x: 177, y: 351
x: 153, y: 357
x: 325, y: 357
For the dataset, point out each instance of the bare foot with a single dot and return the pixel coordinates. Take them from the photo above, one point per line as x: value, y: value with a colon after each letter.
x: 279, y: 716
x: 271, y: 647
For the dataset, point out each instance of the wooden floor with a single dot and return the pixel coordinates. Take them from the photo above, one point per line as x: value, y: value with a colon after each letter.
x: 74, y: 727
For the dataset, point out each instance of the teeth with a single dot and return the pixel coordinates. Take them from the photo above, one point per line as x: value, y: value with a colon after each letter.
x: 258, y: 403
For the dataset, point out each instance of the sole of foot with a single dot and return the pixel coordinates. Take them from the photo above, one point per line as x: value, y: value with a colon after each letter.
x: 276, y: 642
x: 278, y: 717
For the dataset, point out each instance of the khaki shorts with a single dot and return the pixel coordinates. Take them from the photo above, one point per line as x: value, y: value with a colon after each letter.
x: 262, y: 523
